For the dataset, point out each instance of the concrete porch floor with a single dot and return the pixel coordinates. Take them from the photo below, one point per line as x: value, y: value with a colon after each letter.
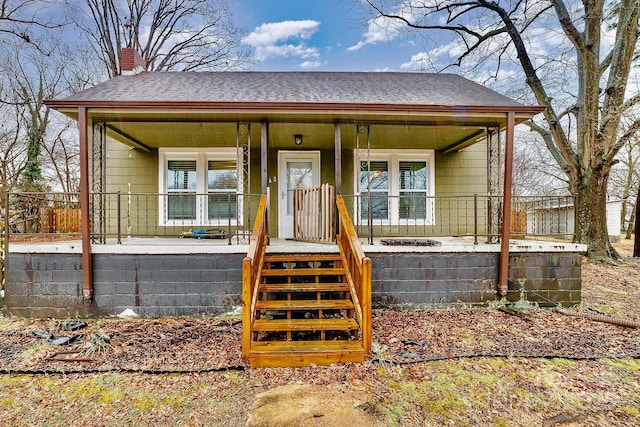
x: 164, y: 245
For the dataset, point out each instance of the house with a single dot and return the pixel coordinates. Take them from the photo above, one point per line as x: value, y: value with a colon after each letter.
x: 305, y: 197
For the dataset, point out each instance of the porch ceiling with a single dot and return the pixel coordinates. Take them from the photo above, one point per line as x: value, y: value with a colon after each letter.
x: 153, y: 128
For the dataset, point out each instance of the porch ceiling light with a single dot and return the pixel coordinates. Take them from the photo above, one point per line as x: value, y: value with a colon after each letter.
x: 297, y: 139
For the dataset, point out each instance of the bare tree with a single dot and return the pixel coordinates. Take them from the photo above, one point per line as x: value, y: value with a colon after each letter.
x: 84, y: 71
x: 61, y: 155
x: 584, y: 86
x: 28, y: 78
x: 170, y: 35
x: 534, y: 170
x: 20, y: 18
x: 636, y: 240
x: 625, y: 178
x: 12, y: 149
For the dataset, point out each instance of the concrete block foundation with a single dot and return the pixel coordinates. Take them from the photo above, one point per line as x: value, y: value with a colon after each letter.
x: 157, y: 285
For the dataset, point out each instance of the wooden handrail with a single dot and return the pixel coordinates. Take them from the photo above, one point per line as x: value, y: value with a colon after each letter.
x: 358, y: 270
x: 251, y: 269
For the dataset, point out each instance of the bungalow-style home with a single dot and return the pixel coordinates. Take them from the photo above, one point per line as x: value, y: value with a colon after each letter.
x: 306, y: 198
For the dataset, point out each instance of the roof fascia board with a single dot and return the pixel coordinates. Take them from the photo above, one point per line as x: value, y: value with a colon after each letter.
x: 298, y: 107
x: 354, y: 117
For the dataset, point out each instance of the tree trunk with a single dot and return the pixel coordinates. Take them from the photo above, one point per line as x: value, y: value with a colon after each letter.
x: 591, y: 216
x: 630, y: 226
x: 636, y: 239
x: 627, y: 190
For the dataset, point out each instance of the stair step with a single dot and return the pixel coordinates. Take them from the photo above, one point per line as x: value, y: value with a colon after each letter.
x: 305, y: 325
x: 303, y: 287
x: 301, y: 257
x: 304, y: 353
x: 271, y: 272
x: 328, y: 304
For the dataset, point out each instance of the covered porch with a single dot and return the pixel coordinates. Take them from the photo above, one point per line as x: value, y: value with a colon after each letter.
x: 283, y: 161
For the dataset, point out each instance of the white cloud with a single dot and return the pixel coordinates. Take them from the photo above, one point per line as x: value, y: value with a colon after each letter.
x: 434, y: 59
x: 287, y: 50
x: 312, y: 64
x: 283, y: 39
x: 380, y: 29
x: 417, y: 62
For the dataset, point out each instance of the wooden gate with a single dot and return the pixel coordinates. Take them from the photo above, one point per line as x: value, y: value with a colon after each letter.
x: 314, y: 214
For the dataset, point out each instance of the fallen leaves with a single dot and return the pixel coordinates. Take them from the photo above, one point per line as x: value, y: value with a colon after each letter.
x: 538, y: 377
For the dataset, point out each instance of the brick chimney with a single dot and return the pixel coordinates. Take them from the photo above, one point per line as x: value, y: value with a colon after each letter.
x: 131, y: 62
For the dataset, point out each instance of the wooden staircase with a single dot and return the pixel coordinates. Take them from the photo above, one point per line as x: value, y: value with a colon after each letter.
x: 304, y: 313
x: 303, y: 309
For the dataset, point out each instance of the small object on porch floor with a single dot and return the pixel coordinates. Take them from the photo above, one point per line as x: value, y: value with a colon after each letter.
x: 201, y: 233
x: 410, y: 242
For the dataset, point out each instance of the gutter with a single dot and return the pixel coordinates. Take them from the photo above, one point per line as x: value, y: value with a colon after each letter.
x: 295, y: 106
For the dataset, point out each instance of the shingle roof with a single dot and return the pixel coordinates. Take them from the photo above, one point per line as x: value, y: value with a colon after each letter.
x: 350, y: 88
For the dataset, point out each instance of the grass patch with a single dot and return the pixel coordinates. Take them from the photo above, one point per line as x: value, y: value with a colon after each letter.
x: 629, y: 365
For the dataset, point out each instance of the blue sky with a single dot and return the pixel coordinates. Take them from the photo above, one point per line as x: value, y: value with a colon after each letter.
x: 321, y: 35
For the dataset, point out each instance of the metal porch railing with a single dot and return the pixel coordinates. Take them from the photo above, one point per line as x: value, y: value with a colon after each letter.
x: 229, y: 216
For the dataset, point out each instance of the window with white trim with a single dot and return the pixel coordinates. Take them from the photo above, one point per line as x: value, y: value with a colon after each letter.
x: 198, y: 187
x: 413, y: 190
x: 222, y: 184
x: 181, y: 189
x: 374, y: 179
x: 397, y: 184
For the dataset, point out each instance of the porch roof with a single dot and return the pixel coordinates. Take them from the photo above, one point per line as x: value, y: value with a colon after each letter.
x: 307, y: 90
x: 442, y: 110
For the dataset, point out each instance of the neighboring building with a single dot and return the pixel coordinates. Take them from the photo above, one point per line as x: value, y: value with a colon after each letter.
x: 558, y: 219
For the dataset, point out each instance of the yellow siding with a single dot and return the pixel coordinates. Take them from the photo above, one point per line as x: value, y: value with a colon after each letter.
x: 125, y: 165
x: 463, y: 172
x: 458, y: 173
x: 140, y: 169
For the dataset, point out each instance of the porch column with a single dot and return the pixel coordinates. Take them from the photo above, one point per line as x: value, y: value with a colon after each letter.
x: 87, y: 277
x: 338, y: 159
x: 506, y: 206
x: 493, y: 184
x: 264, y: 151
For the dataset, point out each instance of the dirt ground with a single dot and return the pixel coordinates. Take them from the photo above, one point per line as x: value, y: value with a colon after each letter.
x: 430, y: 367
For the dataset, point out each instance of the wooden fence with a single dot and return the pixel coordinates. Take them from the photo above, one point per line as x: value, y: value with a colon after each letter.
x: 59, y: 220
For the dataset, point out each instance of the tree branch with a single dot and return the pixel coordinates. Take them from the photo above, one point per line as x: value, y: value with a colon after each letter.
x: 547, y: 137
x: 627, y: 136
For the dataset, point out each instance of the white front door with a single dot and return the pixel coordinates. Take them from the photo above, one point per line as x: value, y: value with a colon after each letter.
x: 296, y: 169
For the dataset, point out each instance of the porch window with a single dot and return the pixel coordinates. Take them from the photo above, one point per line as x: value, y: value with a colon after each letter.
x: 374, y: 176
x: 398, y: 186
x: 413, y: 190
x: 222, y: 183
x: 199, y: 187
x: 181, y: 189
x: 299, y: 175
